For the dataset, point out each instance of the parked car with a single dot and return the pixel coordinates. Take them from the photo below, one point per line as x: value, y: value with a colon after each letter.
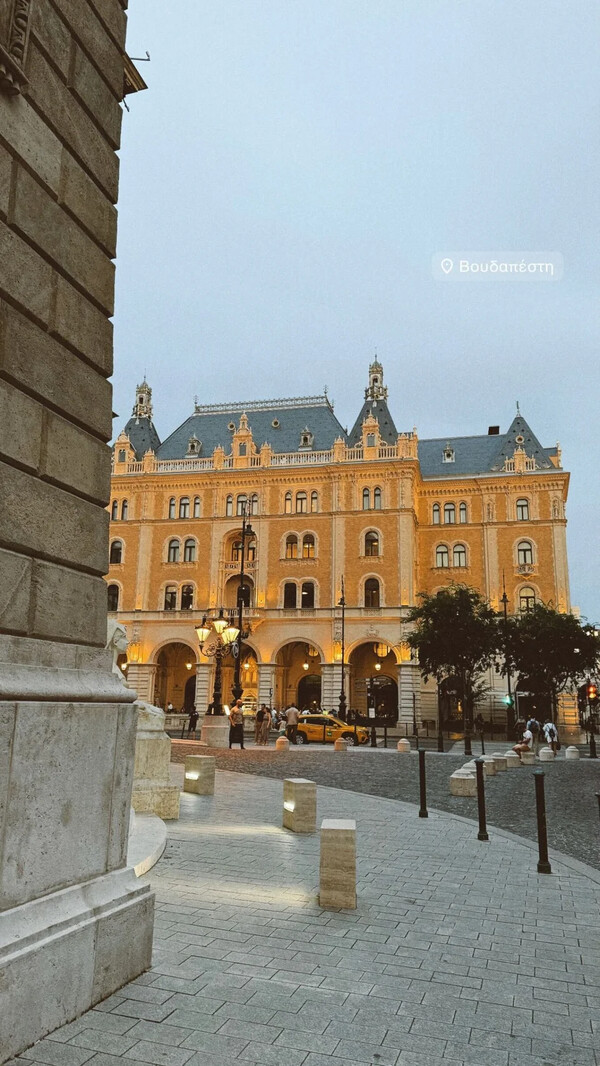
x: 325, y: 728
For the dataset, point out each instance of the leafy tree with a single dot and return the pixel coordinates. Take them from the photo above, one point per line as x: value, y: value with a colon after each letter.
x: 455, y: 635
x: 550, y: 651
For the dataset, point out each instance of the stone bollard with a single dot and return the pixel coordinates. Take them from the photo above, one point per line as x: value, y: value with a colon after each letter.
x: 282, y: 744
x: 403, y: 744
x: 546, y: 755
x: 299, y: 805
x: 340, y: 744
x: 199, y: 774
x: 499, y: 758
x: 489, y: 765
x: 463, y: 783
x: 337, y: 871
x: 572, y: 752
x: 528, y: 758
x: 512, y: 760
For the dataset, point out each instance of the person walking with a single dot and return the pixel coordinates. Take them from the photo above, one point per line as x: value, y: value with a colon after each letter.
x: 551, y: 735
x: 193, y: 721
x: 265, y: 728
x: 236, y: 725
x: 291, y: 717
x: 535, y: 729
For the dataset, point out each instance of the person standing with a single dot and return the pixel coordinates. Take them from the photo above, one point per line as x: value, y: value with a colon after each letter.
x: 258, y: 721
x: 265, y: 727
x: 236, y: 725
x: 193, y: 721
x: 291, y: 717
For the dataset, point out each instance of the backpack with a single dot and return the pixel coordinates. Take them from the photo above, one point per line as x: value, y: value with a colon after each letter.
x: 534, y: 726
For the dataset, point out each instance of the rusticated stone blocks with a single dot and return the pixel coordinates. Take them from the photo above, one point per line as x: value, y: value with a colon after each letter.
x: 299, y: 805
x: 199, y: 774
x: 337, y: 878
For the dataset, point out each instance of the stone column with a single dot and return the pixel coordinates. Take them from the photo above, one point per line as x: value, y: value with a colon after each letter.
x: 266, y: 683
x: 203, y: 689
x: 331, y: 674
x: 409, y: 682
x: 67, y: 722
x: 140, y: 677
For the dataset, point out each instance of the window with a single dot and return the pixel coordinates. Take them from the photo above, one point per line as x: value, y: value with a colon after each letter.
x: 459, y: 555
x: 436, y: 514
x: 377, y: 499
x: 189, y: 551
x: 522, y: 510
x: 172, y: 507
x: 288, y: 503
x: 371, y: 544
x: 449, y: 514
x: 366, y: 500
x: 308, y: 595
x: 462, y: 514
x: 171, y: 598
x: 124, y: 510
x: 242, y: 450
x: 236, y: 551
x: 244, y: 595
x: 116, y: 551
x: 442, y: 558
x: 525, y: 553
x: 114, y: 514
x: 229, y: 506
x: 289, y: 595
x: 173, y: 552
x: 291, y: 546
x: 113, y: 597
x: 241, y: 503
x: 251, y: 551
x: 526, y: 599
x: 448, y: 454
x: 254, y: 504
x: 187, y: 597
x: 308, y: 546
x: 301, y: 503
x: 314, y: 501
x: 184, y: 507
x: 196, y: 507
x: 372, y: 592
x: 370, y: 440
x: 121, y: 458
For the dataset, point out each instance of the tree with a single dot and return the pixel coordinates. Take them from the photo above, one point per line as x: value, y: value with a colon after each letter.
x: 455, y: 635
x: 549, y: 651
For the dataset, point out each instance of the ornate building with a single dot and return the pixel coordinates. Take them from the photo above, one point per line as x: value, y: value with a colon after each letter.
x: 392, y: 514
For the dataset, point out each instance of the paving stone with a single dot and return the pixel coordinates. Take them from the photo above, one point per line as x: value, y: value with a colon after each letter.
x: 272, y: 1056
x: 111, y: 1043
x: 159, y: 1054
x: 55, y: 1053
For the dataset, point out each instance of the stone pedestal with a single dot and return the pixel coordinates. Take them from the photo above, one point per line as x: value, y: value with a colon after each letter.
x: 337, y: 878
x: 282, y: 744
x: 153, y: 789
x: 528, y: 758
x: 512, y: 760
x: 489, y: 765
x: 546, y: 755
x: 463, y: 783
x: 340, y: 744
x: 299, y: 805
x: 199, y: 774
x: 403, y: 745
x: 215, y: 731
x: 499, y: 758
x: 572, y: 752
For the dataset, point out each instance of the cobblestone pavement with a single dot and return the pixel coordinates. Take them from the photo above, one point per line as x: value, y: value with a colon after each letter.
x: 458, y: 953
x: 572, y: 808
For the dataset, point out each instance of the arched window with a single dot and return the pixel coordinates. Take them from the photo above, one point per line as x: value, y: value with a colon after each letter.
x: 184, y: 507
x: 314, y: 501
x: 124, y: 510
x: 526, y: 599
x: 522, y: 510
x: 289, y: 595
x: 308, y: 546
x: 291, y: 546
x: 524, y: 553
x: 241, y: 504
x: 301, y: 503
x: 171, y: 598
x: 229, y: 506
x: 189, y: 551
x: 116, y: 551
x: 254, y: 503
x: 187, y: 597
x: 459, y: 555
x: 462, y: 513
x: 251, y: 551
x: 377, y: 499
x: 173, y: 552
x: 442, y: 558
x: 114, y: 514
x: 449, y: 514
x: 308, y: 594
x: 436, y: 514
x: 372, y: 592
x: 288, y: 503
x: 366, y: 500
x: 197, y: 507
x: 172, y: 507
x: 371, y: 543
x: 113, y: 597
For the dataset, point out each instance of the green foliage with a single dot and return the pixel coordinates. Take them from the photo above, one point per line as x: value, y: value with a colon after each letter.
x: 550, y: 650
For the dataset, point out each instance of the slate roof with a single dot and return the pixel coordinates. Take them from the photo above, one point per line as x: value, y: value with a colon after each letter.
x: 142, y: 435
x: 481, y: 455
x: 380, y: 410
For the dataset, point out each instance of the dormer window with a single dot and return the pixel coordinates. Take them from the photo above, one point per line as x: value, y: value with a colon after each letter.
x: 448, y: 455
x: 242, y: 449
x: 370, y: 440
x: 194, y: 446
x: 306, y: 438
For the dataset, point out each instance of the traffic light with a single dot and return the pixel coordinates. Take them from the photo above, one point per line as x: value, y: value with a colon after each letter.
x: 592, y: 693
x: 508, y: 700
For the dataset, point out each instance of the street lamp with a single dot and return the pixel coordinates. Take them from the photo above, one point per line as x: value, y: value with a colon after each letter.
x: 342, y: 700
x: 216, y: 637
x: 510, y: 718
x: 247, y: 533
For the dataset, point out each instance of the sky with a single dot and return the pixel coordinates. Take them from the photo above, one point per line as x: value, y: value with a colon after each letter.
x: 292, y: 170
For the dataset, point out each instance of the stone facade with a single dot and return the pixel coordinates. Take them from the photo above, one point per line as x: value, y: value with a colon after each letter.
x: 74, y: 923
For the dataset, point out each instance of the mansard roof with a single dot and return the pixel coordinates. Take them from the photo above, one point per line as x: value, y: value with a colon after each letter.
x: 482, y: 454
x: 142, y: 435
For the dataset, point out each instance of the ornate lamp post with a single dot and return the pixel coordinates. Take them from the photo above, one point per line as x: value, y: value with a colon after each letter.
x: 247, y: 533
x: 216, y: 637
x: 510, y: 717
x: 342, y: 701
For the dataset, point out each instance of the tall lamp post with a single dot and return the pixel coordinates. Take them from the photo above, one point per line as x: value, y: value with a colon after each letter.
x: 247, y: 533
x: 342, y: 701
x: 216, y: 637
x: 510, y: 716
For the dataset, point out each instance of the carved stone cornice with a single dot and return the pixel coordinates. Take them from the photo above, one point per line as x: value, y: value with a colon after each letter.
x: 13, y: 53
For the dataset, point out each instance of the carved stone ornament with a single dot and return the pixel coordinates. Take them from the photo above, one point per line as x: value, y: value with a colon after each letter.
x: 14, y: 51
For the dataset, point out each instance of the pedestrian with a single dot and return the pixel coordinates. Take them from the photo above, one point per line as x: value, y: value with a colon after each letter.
x: 535, y: 729
x: 193, y: 721
x: 291, y: 717
x: 258, y: 722
x: 266, y: 725
x: 236, y: 725
x: 170, y: 708
x: 525, y: 744
x: 479, y: 723
x: 551, y: 735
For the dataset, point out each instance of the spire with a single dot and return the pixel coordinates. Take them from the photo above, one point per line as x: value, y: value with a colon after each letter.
x: 376, y: 389
x: 143, y: 401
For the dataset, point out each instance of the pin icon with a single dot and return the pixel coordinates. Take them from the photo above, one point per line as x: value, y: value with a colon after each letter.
x: 446, y: 265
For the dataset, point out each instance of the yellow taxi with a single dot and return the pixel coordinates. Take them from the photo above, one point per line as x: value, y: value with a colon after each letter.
x: 325, y: 728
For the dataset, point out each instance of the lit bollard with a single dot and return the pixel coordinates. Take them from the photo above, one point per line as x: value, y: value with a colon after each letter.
x: 340, y: 744
x: 403, y: 745
x: 423, y: 812
x: 199, y: 774
x: 282, y: 744
x: 299, y: 805
x: 572, y: 752
x: 540, y: 806
x: 482, y: 834
x: 337, y: 870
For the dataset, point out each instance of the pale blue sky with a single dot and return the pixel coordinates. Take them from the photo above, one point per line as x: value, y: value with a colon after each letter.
x: 294, y: 166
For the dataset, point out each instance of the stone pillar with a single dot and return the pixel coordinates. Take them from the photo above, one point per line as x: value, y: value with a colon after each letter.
x: 409, y: 682
x: 140, y: 677
x: 266, y: 684
x: 203, y: 690
x: 331, y: 674
x: 67, y: 722
x: 153, y: 789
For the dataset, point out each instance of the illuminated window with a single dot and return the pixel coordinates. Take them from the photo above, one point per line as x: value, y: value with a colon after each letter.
x: 372, y: 597
x: 526, y: 599
x: 371, y: 544
x: 291, y: 546
x: 308, y: 594
x: 301, y: 503
x: 308, y: 546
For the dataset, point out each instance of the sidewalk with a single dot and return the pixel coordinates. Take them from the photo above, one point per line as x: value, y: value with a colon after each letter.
x: 458, y: 953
